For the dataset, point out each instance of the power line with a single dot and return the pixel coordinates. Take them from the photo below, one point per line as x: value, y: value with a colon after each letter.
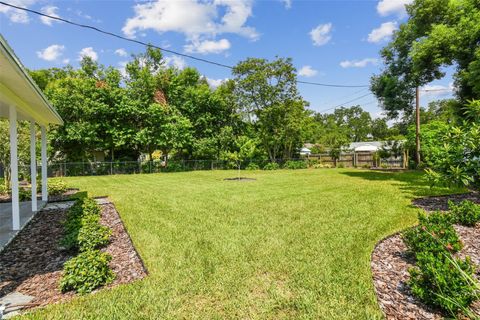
x: 344, y: 103
x: 332, y: 85
x: 218, y: 64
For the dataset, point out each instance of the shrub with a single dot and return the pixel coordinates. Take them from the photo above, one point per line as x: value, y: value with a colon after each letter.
x: 252, y: 166
x: 92, y: 234
x: 340, y: 165
x: 466, y: 213
x: 434, y: 234
x: 173, y: 167
x: 291, y: 164
x: 56, y: 187
x: 86, y: 272
x: 82, y: 226
x: 24, y: 194
x: 443, y: 281
x: 271, y: 166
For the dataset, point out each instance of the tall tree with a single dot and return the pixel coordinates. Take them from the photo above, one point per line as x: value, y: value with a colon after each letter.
x: 269, y: 98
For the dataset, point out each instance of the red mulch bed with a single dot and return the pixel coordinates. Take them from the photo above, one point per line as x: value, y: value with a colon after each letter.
x: 390, y: 264
x: 32, y: 263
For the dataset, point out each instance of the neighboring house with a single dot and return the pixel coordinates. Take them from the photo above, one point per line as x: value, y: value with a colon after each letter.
x: 305, y: 151
x: 367, y: 146
x: 21, y: 99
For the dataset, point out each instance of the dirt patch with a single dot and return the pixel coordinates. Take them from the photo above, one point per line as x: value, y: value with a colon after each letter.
x: 441, y: 202
x: 239, y: 179
x: 32, y: 263
x: 390, y: 263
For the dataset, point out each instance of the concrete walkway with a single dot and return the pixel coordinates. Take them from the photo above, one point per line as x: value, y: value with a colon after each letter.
x: 6, y: 232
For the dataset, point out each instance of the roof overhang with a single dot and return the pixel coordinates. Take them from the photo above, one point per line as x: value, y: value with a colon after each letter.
x: 18, y: 89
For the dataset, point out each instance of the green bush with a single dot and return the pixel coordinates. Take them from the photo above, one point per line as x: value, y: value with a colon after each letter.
x: 24, y: 194
x: 340, y: 165
x: 271, y: 166
x: 82, y: 226
x: 252, y: 166
x: 92, y: 234
x: 434, y: 234
x: 466, y: 213
x: 299, y: 164
x: 86, y: 272
x: 173, y: 167
x: 56, y: 187
x: 442, y: 281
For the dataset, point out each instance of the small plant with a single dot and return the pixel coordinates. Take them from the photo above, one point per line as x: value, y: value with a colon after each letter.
x: 443, y: 281
x: 92, y: 234
x: 86, y: 272
x: 434, y: 234
x: 340, y: 165
x: 252, y: 166
x: 271, y: 166
x: 291, y: 164
x: 24, y: 194
x: 466, y: 213
x: 56, y: 187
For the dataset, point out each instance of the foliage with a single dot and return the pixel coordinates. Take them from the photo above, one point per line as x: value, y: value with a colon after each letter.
x: 86, y: 272
x: 55, y: 187
x: 271, y: 166
x: 82, y: 226
x: 92, y: 234
x: 253, y: 166
x: 434, y: 234
x: 444, y: 282
x: 465, y: 213
x: 457, y: 160
x: 437, y: 34
x: 267, y: 92
x: 295, y: 164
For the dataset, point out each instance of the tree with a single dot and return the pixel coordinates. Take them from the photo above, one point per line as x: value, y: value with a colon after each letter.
x: 268, y: 96
x: 438, y: 34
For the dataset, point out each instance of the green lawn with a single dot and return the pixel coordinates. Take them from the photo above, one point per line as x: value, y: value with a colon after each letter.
x: 292, y: 244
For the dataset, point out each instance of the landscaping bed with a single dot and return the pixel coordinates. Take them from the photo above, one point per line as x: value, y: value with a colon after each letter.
x: 391, y: 262
x: 32, y: 263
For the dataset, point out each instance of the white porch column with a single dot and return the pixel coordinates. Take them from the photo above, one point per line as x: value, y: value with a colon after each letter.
x: 14, y: 168
x: 33, y: 165
x: 44, y: 163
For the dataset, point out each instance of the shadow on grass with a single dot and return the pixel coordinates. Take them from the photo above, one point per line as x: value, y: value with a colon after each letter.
x: 412, y: 183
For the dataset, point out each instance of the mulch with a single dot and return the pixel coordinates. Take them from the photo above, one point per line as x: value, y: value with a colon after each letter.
x: 390, y: 263
x: 32, y: 263
x: 4, y: 198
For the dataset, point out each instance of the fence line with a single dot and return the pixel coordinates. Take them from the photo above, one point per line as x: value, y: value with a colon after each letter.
x: 63, y: 169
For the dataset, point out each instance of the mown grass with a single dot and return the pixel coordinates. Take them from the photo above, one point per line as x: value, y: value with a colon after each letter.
x: 292, y: 244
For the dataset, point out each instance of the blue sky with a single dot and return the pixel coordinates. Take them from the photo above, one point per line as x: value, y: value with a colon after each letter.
x: 330, y: 41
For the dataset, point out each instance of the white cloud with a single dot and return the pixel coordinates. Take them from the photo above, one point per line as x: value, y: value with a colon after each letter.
x: 321, y: 34
x: 15, y: 15
x: 437, y: 90
x: 383, y: 32
x: 388, y: 7
x: 121, y: 52
x: 121, y: 68
x: 51, y: 11
x: 358, y: 63
x: 176, y: 61
x: 66, y: 61
x: 51, y: 53
x: 214, y: 83
x: 307, y: 71
x: 208, y: 46
x: 198, y: 20
x: 88, y: 52
x: 287, y: 3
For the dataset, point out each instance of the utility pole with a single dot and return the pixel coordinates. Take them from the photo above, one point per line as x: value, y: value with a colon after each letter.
x: 417, y: 126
